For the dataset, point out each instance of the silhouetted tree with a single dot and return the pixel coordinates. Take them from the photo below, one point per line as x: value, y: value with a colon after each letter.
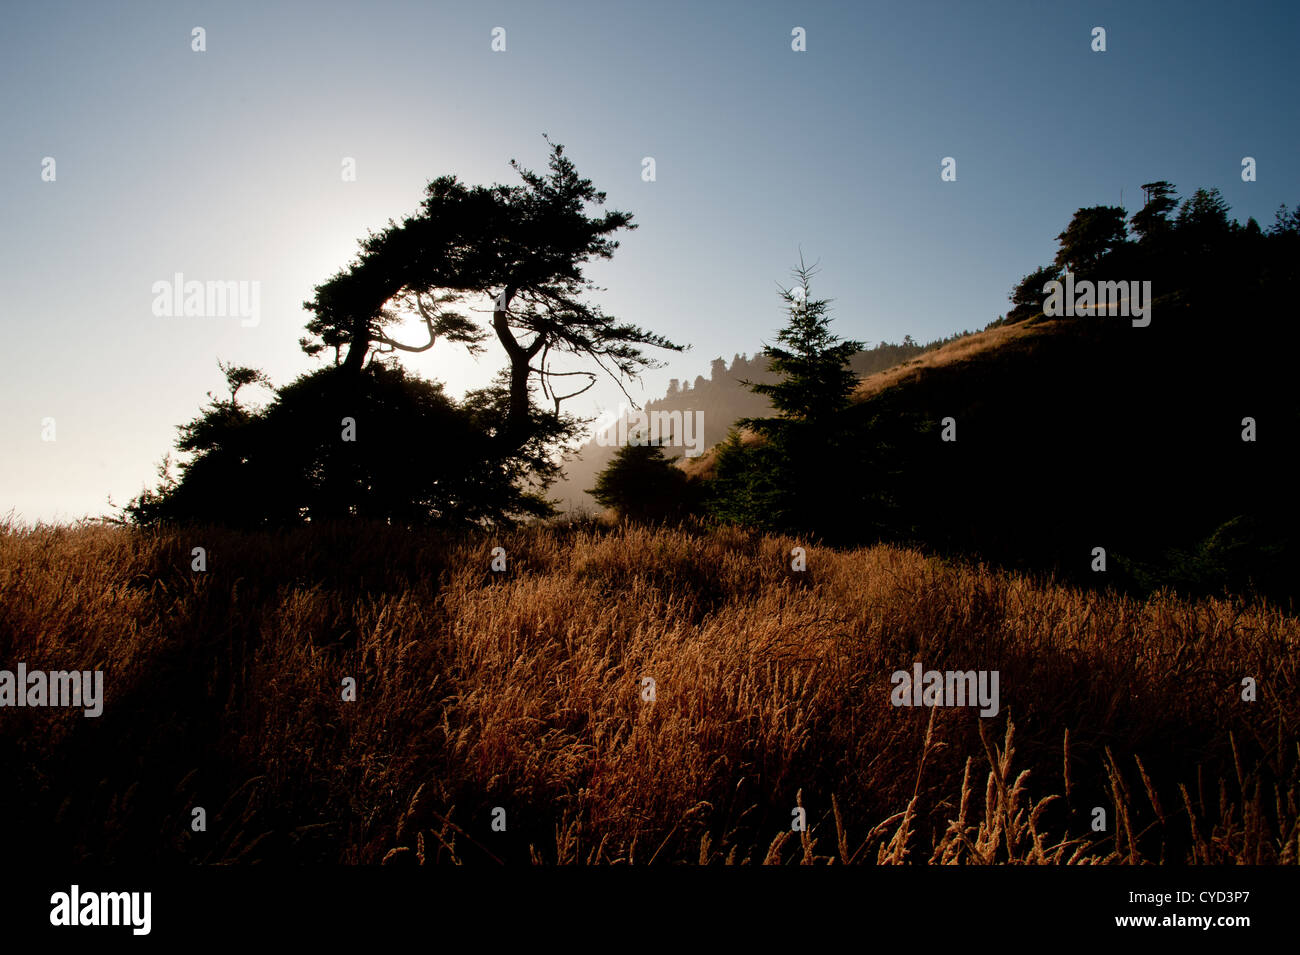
x: 1091, y: 235
x: 803, y: 473
x: 321, y: 451
x: 1027, y: 296
x: 522, y: 246
x: 414, y: 455
x: 813, y: 362
x: 642, y: 485
x: 1285, y: 223
x: 747, y: 486
x: 1205, y: 209
x: 1151, y: 222
x: 1202, y: 224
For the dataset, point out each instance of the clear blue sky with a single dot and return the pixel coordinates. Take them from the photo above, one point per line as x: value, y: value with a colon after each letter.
x: 225, y: 165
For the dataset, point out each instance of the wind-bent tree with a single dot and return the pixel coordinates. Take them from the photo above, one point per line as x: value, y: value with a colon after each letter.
x: 365, y: 438
x: 522, y: 246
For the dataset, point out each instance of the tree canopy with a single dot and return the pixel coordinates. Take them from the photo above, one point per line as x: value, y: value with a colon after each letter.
x: 524, y: 247
x: 367, y: 438
x: 1091, y: 234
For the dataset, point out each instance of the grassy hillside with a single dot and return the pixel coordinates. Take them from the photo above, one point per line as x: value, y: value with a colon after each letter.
x: 911, y: 371
x: 1073, y: 434
x: 964, y: 348
x: 723, y: 400
x: 523, y: 690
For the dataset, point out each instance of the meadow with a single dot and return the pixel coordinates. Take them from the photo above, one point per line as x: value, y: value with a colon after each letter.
x: 520, y: 697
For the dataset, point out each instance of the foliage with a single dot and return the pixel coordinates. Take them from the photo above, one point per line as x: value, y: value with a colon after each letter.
x: 522, y: 246
x: 1091, y: 235
x: 806, y: 472
x: 418, y: 456
x: 643, y: 485
x: 291, y: 462
x: 1027, y: 295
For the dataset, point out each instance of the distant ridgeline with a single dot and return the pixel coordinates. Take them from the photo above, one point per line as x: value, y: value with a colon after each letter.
x: 721, y: 400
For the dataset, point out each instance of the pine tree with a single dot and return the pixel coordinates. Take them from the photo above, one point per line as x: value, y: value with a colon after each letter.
x: 800, y: 476
x: 813, y: 362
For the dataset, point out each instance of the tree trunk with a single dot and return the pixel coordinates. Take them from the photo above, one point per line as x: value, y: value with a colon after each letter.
x: 516, y: 431
x: 357, y: 347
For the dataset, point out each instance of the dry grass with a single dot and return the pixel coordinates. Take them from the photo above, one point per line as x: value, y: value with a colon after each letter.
x: 963, y: 349
x: 523, y: 690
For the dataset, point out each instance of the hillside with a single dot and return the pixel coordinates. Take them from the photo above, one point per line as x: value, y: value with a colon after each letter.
x: 1074, y: 434
x: 1130, y: 422
x: 723, y: 399
x: 910, y: 371
x: 962, y: 348
x: 525, y: 690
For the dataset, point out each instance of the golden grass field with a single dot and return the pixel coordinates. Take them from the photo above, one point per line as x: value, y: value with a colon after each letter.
x: 522, y: 690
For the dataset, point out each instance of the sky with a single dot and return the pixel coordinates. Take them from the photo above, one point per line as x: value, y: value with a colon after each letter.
x: 226, y: 164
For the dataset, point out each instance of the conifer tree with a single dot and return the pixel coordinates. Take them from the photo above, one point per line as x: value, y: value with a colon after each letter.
x: 642, y: 485
x: 816, y: 380
x: 799, y: 477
